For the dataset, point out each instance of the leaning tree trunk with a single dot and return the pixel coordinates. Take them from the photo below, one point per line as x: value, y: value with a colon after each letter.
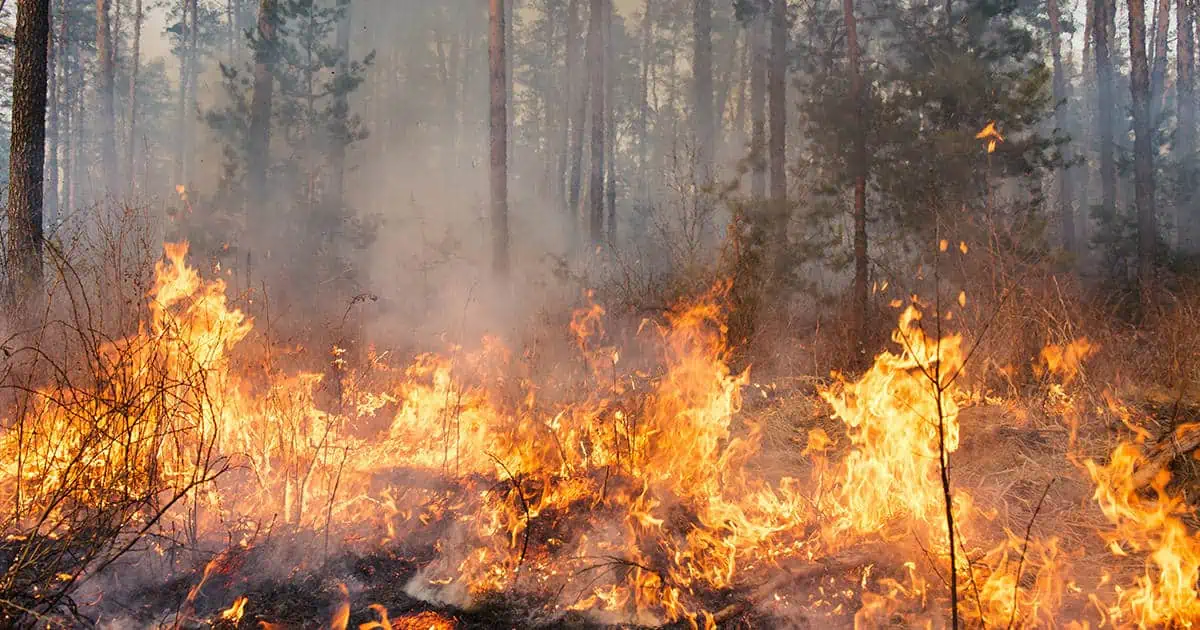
x: 778, y: 146
x: 1065, y: 195
x: 1105, y: 102
x: 259, y: 140
x: 498, y: 137
x: 108, y: 118
x: 859, y: 168
x: 28, y: 150
x: 1185, y: 135
x: 595, y: 64
x: 1143, y: 167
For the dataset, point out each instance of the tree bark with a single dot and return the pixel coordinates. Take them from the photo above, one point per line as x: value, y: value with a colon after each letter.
x: 1143, y: 167
x: 28, y: 149
x: 51, y: 193
x: 1185, y: 135
x: 1102, y: 19
x: 643, y: 119
x: 610, y: 142
x: 702, y: 88
x: 758, y: 105
x: 259, y: 140
x: 595, y: 63
x: 575, y: 178
x: 1066, y: 206
x: 1158, y: 72
x: 778, y: 148
x: 859, y: 168
x: 181, y: 101
x: 108, y: 119
x: 135, y: 60
x: 498, y: 137
x: 193, y: 85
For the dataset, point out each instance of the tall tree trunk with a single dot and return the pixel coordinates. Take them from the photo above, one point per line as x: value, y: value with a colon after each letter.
x: 28, y: 149
x: 341, y: 113
x: 1066, y: 206
x: 135, y: 62
x: 1158, y: 72
x: 643, y: 119
x: 258, y: 153
x: 1104, y: 105
x: 499, y: 137
x: 566, y: 139
x: 182, y: 102
x: 610, y: 142
x: 108, y: 119
x: 575, y: 178
x: 778, y: 148
x: 859, y: 167
x: 52, y: 129
x: 595, y: 63
x: 758, y: 105
x: 1185, y: 135
x: 68, y: 122
x: 702, y: 89
x: 193, y: 86
x: 1143, y: 167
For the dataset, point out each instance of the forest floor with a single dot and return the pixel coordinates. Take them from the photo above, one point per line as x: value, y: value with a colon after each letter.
x: 1016, y: 460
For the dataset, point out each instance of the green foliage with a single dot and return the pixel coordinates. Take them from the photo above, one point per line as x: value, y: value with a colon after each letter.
x: 928, y: 91
x: 310, y: 119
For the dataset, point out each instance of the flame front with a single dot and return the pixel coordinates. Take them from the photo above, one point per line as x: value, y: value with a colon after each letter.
x: 630, y: 488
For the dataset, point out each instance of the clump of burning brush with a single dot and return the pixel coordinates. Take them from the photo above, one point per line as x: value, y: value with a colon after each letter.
x: 83, y: 479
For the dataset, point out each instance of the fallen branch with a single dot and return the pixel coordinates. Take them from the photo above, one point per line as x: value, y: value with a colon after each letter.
x: 1185, y: 439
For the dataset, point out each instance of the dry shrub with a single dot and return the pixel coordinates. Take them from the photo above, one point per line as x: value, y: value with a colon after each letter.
x: 102, y: 431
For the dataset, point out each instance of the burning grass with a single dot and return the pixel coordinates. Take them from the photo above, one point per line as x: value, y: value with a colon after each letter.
x: 639, y: 490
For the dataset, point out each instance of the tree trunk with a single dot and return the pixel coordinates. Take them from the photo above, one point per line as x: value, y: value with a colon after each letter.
x: 341, y: 113
x: 259, y: 140
x: 28, y: 149
x: 610, y: 143
x: 758, y: 106
x: 193, y: 85
x: 1158, y: 72
x: 567, y: 197
x: 181, y: 103
x: 643, y: 119
x: 778, y: 148
x: 1185, y: 135
x: 1066, y: 206
x: 595, y: 63
x: 861, y: 271
x: 52, y: 129
x: 108, y: 120
x: 702, y: 89
x: 1143, y: 167
x: 499, y: 137
x: 135, y: 60
x: 575, y: 181
x: 1104, y: 105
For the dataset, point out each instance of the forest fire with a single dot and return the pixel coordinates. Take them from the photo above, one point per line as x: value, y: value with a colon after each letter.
x: 635, y: 493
